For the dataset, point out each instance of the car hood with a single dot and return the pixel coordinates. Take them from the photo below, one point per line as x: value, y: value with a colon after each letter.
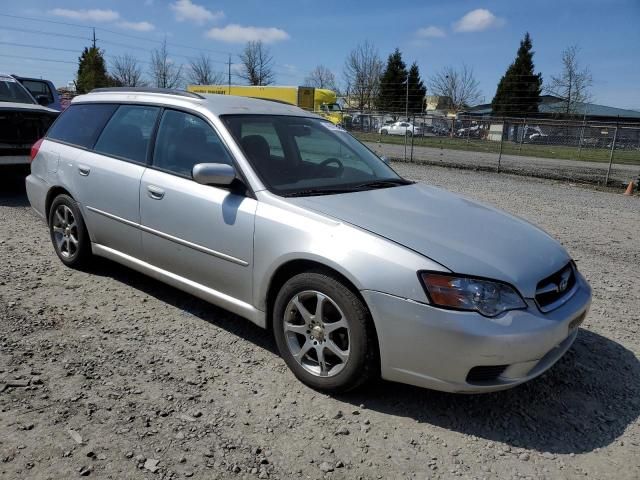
x: 463, y: 235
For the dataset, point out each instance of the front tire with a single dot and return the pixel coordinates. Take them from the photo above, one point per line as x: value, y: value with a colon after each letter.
x: 68, y: 232
x: 324, y: 333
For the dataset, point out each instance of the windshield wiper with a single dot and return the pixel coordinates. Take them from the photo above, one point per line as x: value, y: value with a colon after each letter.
x: 384, y: 183
x: 394, y: 182
x: 320, y: 191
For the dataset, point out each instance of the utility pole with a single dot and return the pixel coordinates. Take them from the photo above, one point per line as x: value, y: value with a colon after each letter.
x: 229, y: 73
x: 94, y: 37
x: 406, y: 104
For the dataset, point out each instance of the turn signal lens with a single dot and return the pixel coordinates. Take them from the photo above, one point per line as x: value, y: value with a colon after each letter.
x: 486, y: 297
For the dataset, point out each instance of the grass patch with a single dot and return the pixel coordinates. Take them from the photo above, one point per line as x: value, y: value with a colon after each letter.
x: 629, y: 157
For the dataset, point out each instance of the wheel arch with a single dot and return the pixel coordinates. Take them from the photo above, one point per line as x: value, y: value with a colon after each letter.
x: 293, y: 267
x: 51, y: 195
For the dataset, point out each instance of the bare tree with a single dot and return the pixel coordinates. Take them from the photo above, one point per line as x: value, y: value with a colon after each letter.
x: 321, y: 77
x: 257, y: 64
x: 163, y: 71
x: 201, y: 71
x: 460, y: 86
x: 362, y: 70
x: 126, y: 71
x: 573, y: 84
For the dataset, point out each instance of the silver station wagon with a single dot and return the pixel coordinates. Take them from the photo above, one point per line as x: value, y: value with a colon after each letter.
x: 281, y: 217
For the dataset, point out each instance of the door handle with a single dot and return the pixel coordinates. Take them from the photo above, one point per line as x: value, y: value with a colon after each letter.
x: 155, y: 192
x: 84, y: 171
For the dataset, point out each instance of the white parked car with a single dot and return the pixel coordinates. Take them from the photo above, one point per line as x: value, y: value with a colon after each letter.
x: 401, y: 128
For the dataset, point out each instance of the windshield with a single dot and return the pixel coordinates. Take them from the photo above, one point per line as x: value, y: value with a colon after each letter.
x: 12, y: 91
x: 333, y: 107
x: 308, y: 156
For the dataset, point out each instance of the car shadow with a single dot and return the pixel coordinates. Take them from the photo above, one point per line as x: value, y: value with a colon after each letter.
x: 192, y: 305
x: 586, y: 401
x: 12, y: 187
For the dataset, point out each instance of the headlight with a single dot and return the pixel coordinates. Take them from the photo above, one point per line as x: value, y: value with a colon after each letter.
x: 487, y: 297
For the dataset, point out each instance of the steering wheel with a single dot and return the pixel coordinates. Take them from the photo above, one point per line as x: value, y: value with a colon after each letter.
x: 339, y: 166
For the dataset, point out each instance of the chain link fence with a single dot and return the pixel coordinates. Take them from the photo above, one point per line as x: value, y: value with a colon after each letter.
x: 605, y: 153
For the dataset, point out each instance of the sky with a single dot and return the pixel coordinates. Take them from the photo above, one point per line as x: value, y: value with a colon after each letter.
x: 301, y: 34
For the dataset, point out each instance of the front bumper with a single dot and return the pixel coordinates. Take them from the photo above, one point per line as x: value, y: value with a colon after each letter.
x: 435, y: 348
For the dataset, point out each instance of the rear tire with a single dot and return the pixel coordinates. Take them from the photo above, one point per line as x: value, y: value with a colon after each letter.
x: 68, y: 232
x: 324, y: 333
x: 385, y: 132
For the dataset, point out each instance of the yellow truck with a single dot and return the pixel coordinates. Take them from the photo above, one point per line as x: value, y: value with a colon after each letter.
x: 318, y: 100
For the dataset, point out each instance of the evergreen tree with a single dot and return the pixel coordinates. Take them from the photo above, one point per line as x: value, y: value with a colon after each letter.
x: 92, y: 72
x: 392, y: 94
x: 417, y: 90
x: 519, y: 89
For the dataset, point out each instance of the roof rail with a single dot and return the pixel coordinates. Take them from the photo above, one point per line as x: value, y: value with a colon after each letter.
x: 165, y: 91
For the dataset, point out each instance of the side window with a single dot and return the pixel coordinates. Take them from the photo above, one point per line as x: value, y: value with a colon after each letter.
x: 128, y: 133
x: 185, y: 140
x: 80, y: 124
x: 38, y: 88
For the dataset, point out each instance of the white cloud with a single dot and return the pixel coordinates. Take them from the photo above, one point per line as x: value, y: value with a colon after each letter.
x: 137, y: 26
x: 186, y: 10
x: 477, y: 21
x: 431, y: 32
x: 234, y: 33
x: 94, y: 15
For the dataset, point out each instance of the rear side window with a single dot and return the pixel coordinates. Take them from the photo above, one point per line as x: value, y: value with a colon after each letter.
x: 128, y: 133
x: 81, y: 124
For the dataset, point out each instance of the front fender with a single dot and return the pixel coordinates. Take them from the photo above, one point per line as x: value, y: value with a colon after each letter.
x: 285, y: 232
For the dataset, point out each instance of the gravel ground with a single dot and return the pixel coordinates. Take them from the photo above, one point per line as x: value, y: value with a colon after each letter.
x: 551, y: 168
x: 110, y: 374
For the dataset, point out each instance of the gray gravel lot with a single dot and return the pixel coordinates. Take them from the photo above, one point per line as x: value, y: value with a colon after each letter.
x: 110, y: 374
x: 552, y: 168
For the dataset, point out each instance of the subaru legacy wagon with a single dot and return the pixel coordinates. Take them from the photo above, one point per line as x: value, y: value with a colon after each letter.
x: 285, y: 219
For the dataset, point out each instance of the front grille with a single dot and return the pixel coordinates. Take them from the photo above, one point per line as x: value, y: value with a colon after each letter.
x: 485, y: 373
x: 555, y: 287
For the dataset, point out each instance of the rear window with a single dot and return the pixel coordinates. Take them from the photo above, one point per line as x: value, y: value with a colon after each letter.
x: 12, y: 91
x: 81, y: 124
x: 39, y: 88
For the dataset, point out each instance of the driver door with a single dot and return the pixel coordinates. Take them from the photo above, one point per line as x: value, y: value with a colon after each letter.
x: 199, y: 232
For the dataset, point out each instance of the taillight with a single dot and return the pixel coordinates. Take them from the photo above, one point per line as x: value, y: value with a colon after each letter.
x: 34, y: 149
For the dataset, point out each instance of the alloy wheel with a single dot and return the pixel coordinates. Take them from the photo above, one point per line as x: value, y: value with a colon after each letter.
x: 65, y: 231
x: 317, y: 333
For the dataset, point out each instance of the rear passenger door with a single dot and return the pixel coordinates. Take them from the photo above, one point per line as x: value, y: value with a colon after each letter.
x: 108, y: 178
x: 198, y: 232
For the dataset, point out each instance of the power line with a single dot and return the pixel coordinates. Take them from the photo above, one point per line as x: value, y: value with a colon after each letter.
x: 42, y: 32
x: 122, y: 34
x: 44, y: 21
x: 37, y: 59
x: 25, y: 45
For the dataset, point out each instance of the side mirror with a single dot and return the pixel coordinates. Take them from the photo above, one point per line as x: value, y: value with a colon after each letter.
x: 219, y: 174
x: 384, y: 159
x: 42, y: 100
